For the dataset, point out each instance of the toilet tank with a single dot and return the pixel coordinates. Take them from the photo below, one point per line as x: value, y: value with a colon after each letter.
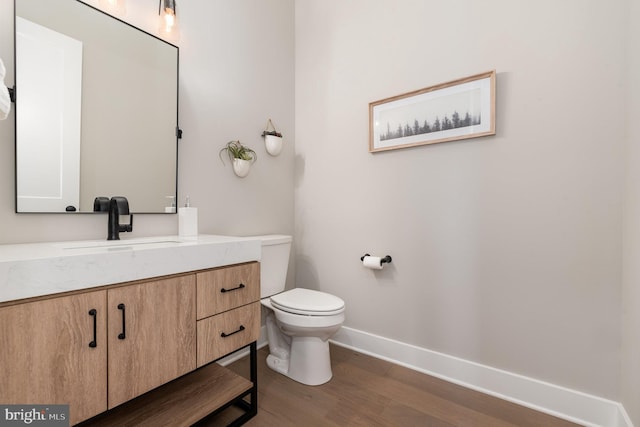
x: 274, y: 263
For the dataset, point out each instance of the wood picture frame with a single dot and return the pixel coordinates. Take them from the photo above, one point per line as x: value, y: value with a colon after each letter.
x: 451, y: 111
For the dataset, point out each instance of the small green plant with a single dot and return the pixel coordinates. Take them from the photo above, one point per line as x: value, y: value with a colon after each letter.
x: 235, y: 150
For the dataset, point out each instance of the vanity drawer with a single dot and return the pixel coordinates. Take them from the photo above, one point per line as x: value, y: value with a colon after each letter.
x: 225, y: 288
x: 221, y: 334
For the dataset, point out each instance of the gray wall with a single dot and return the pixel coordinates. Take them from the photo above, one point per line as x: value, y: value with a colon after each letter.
x: 506, y: 249
x: 236, y: 71
x: 630, y: 373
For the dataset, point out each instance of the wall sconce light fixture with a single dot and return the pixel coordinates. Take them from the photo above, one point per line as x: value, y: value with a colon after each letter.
x: 168, y: 22
x: 113, y: 7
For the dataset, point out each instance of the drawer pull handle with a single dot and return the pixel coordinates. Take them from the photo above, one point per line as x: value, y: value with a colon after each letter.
x: 241, y: 286
x: 94, y: 313
x: 240, y: 329
x: 122, y: 335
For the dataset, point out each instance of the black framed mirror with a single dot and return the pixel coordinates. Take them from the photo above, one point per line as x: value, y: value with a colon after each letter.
x: 96, y: 110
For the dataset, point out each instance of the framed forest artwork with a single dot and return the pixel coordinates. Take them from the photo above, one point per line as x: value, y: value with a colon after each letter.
x: 459, y: 109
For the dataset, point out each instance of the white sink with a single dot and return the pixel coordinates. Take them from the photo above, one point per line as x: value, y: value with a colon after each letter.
x: 36, y: 269
x: 117, y: 243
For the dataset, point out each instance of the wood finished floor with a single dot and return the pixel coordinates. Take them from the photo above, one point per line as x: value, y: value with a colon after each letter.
x: 366, y: 391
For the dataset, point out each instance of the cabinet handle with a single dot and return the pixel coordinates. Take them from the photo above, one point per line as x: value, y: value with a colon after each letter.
x: 240, y: 329
x: 122, y: 335
x: 94, y: 313
x: 223, y: 290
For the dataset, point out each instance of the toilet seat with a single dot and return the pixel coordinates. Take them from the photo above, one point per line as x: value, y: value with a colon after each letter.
x: 308, y: 302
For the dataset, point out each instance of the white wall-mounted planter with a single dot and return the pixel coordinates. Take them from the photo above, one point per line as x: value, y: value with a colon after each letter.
x: 241, y: 167
x: 273, y: 144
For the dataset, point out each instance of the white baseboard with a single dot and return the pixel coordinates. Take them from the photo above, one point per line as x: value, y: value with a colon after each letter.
x: 558, y: 401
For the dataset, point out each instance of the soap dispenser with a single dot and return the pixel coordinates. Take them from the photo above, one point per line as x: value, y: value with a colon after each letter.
x: 187, y: 220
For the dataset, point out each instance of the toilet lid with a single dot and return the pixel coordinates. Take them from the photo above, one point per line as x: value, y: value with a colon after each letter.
x: 306, y: 301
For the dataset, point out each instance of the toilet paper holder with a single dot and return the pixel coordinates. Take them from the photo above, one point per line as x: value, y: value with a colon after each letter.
x: 386, y: 259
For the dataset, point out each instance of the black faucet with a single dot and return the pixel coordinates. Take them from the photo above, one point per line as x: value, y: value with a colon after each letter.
x: 118, y: 205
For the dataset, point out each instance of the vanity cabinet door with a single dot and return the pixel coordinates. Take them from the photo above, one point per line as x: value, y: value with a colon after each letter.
x: 151, y: 335
x: 50, y: 354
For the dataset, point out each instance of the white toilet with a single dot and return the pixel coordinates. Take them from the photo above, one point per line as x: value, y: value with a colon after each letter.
x: 299, y: 321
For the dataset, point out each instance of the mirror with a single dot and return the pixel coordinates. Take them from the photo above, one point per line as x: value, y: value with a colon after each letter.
x: 96, y: 110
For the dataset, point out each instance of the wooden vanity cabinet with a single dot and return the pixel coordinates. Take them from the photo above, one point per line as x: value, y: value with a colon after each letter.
x: 139, y: 343
x: 54, y: 351
x: 223, y: 307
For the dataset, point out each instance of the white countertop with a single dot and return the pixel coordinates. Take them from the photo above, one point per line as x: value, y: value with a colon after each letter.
x: 36, y: 269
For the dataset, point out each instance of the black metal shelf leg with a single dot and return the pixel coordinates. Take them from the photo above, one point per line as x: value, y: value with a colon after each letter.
x: 253, y: 362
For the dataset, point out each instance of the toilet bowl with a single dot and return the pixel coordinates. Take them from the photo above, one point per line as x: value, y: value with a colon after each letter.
x: 298, y: 341
x: 299, y: 321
